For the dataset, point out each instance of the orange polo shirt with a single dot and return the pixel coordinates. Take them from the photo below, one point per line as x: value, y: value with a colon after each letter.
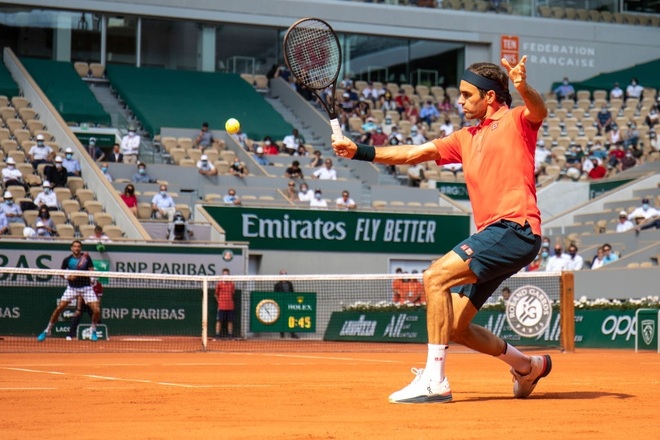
x: 498, y: 164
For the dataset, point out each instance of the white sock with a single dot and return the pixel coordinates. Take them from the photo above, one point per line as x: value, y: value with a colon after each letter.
x: 93, y: 327
x: 518, y: 361
x: 48, y: 327
x: 435, y: 362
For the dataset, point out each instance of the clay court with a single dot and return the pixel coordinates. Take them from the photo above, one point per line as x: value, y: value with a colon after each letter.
x: 320, y: 395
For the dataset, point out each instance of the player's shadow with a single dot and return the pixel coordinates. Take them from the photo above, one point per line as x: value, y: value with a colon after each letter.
x: 568, y: 395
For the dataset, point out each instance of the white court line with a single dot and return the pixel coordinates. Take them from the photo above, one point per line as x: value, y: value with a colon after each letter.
x: 94, y: 376
x: 184, y: 385
x: 28, y: 388
x: 33, y: 371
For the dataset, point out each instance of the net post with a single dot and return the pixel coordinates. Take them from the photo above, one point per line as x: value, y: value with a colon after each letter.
x: 205, y: 312
x: 567, y: 311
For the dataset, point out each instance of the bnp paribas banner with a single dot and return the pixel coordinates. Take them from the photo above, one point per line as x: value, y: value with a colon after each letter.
x: 169, y: 259
x: 344, y: 231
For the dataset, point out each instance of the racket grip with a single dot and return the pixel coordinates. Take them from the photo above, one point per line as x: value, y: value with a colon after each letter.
x: 336, y: 129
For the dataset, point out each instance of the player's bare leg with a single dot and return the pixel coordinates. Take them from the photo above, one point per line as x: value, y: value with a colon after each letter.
x: 96, y: 315
x: 53, y: 319
x: 430, y: 383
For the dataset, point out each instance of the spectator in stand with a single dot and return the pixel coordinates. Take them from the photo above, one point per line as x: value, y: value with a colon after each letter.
x: 44, y: 218
x: 415, y: 175
x: 608, y: 255
x: 624, y: 224
x: 4, y: 224
x: 653, y: 118
x: 231, y: 198
x: 259, y: 157
x: 12, y: 175
x: 417, y: 137
x: 395, y: 133
x: 634, y: 89
x: 47, y: 197
x: 412, y: 113
x: 179, y: 229
x: 387, y: 125
x: 40, y: 153
x: 116, y: 156
x: 402, y: 101
x: 270, y: 147
x: 291, y: 192
x: 616, y: 92
x: 628, y: 161
x: 162, y: 205
x: 558, y: 261
x: 11, y: 210
x: 205, y: 137
x: 317, y: 159
x: 241, y: 139
x: 399, y: 287
x: 369, y: 125
x: 94, y: 151
x: 106, y: 173
x: 57, y: 174
x: 98, y: 236
x: 416, y: 294
x: 41, y: 230
x: 301, y: 151
x: 141, y: 176
x: 128, y: 196
x: 652, y: 222
x: 294, y: 171
x: 645, y: 210
x: 379, y: 138
x: 535, y: 265
x: 447, y: 127
x: 565, y: 90
x: 598, y: 171
x: 363, y: 109
x: 130, y: 146
x: 599, y: 259
x: 542, y: 158
x: 429, y: 112
x: 345, y: 202
x: 292, y: 140
x: 631, y: 135
x: 446, y: 107
x: 654, y: 142
x: 238, y: 168
x: 305, y: 194
x: 604, y: 120
x: 575, y: 261
x: 205, y: 167
x: 326, y: 172
x: 318, y: 201
x: 72, y: 165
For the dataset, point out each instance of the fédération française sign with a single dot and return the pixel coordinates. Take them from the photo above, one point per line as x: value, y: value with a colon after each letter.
x: 345, y: 231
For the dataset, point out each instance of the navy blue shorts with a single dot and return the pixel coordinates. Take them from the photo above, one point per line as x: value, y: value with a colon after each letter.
x: 224, y: 316
x: 494, y: 254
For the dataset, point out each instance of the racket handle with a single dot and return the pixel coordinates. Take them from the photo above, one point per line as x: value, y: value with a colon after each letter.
x: 336, y: 129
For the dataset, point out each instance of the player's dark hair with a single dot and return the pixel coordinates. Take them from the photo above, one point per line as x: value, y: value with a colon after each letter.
x: 76, y: 241
x: 495, y: 73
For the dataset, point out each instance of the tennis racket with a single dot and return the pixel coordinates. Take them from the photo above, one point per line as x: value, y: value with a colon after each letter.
x: 313, y: 55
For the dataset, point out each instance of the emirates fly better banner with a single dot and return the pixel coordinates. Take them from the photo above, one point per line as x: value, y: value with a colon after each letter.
x: 345, y: 231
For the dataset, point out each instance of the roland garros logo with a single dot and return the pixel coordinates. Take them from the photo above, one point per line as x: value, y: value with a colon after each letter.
x: 529, y: 311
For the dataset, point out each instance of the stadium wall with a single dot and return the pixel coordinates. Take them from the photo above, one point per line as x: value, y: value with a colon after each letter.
x: 556, y: 48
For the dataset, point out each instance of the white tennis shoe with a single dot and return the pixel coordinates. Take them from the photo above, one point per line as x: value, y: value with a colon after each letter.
x: 422, y: 390
x: 523, y: 385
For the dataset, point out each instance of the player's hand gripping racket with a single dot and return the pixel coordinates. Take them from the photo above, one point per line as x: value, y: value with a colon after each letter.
x: 313, y: 55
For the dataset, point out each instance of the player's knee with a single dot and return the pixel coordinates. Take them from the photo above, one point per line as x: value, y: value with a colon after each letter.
x: 437, y: 276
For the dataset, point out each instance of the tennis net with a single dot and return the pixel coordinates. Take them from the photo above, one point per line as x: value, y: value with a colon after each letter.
x: 144, y: 312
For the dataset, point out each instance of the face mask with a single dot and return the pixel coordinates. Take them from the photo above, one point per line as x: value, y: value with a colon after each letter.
x: 10, y: 202
x: 104, y: 169
x: 557, y: 252
x: 645, y: 206
x: 130, y: 191
x: 572, y: 254
x: 58, y: 166
x: 43, y: 214
x: 40, y: 143
x: 163, y: 193
x: 317, y: 196
x: 267, y: 143
x: 141, y: 171
x: 69, y: 156
x: 10, y: 166
x: 46, y: 190
x: 131, y: 133
x: 565, y: 83
x: 205, y: 163
x: 604, y: 110
x: 544, y: 254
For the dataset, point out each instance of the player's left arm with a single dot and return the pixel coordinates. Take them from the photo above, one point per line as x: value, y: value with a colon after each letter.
x: 535, y: 111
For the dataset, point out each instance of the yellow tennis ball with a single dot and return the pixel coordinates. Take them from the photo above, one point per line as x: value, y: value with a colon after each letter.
x: 232, y: 126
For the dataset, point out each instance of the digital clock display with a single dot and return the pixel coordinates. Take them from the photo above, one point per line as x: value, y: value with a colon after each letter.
x: 300, y: 322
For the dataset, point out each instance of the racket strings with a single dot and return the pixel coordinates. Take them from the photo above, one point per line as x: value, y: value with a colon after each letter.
x: 313, y: 55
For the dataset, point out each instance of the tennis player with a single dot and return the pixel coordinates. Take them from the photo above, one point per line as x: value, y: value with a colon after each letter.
x: 498, y: 163
x: 77, y: 286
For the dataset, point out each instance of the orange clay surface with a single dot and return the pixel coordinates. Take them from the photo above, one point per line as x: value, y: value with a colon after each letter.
x: 590, y: 394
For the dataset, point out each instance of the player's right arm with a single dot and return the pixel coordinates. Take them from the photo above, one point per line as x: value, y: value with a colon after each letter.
x: 390, y: 155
